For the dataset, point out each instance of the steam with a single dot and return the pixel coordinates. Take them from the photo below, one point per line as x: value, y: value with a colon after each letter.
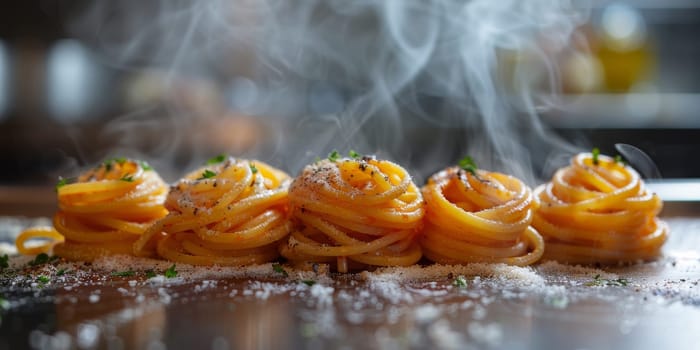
x: 418, y: 82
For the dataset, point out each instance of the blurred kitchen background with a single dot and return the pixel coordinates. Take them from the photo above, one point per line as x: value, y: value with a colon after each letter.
x: 67, y: 101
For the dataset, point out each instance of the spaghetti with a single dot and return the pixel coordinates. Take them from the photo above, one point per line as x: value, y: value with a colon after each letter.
x: 232, y: 212
x: 355, y: 212
x: 479, y: 216
x: 103, y: 213
x: 597, y: 210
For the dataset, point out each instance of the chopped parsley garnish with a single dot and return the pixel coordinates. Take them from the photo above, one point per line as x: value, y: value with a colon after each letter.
x: 253, y: 168
x: 597, y: 281
x: 40, y: 259
x: 127, y: 273
x: 108, y: 163
x: 127, y: 178
x: 619, y: 159
x: 207, y: 174
x: 145, y: 166
x: 61, y: 272
x: 279, y: 269
x: 151, y: 274
x: 170, y: 272
x: 460, y: 282
x: 62, y: 182
x: 216, y: 160
x: 4, y: 261
x: 596, y: 155
x: 308, y: 282
x: 43, y: 279
x: 468, y: 164
x: 354, y: 155
x: 333, y: 156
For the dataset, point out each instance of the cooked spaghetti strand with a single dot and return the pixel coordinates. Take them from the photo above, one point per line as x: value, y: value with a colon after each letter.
x: 355, y: 213
x: 230, y: 213
x: 479, y: 216
x: 597, y: 210
x: 102, y: 213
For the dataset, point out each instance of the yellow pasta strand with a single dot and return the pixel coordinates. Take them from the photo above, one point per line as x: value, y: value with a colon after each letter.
x: 49, y: 234
x: 598, y: 210
x: 355, y: 213
x: 479, y: 217
x: 232, y: 213
x: 102, y: 213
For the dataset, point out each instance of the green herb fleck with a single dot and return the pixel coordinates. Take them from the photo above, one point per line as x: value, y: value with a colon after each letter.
x: 61, y: 272
x: 170, y: 272
x: 4, y: 261
x: 308, y: 282
x: 623, y: 282
x: 151, y: 274
x: 279, y: 269
x: 62, y: 182
x: 253, y: 168
x: 216, y: 160
x: 460, y: 282
x: 127, y: 178
x: 127, y: 273
x: 145, y: 166
x: 207, y: 174
x: 354, y: 155
x: 108, y: 163
x: 333, y: 156
x: 43, y: 279
x: 40, y: 259
x: 557, y: 301
x: 596, y: 154
x: 597, y: 281
x: 619, y: 159
x: 317, y: 159
x: 468, y: 164
x: 4, y: 304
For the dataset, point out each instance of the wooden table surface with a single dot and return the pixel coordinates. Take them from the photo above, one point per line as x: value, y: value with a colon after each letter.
x: 549, y: 306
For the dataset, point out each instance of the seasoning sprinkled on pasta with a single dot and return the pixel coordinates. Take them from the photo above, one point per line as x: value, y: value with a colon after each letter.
x: 230, y: 212
x: 102, y: 212
x: 473, y: 215
x: 598, y: 210
x: 355, y: 212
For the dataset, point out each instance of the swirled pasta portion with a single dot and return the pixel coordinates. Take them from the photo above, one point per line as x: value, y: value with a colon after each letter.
x: 597, y: 210
x: 354, y: 213
x: 102, y: 213
x: 479, y: 216
x: 231, y: 213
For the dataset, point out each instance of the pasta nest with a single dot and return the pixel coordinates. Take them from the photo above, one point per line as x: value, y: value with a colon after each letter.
x: 230, y: 213
x: 355, y: 213
x: 598, y: 210
x: 103, y: 212
x: 479, y: 216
